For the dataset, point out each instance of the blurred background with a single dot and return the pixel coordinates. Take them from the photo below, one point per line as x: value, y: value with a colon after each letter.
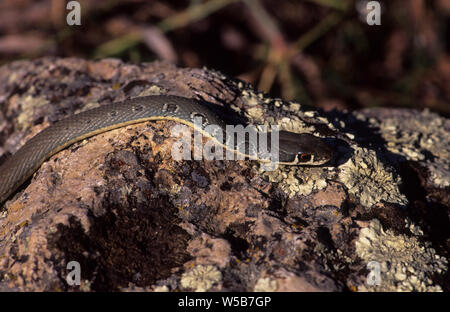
x: 319, y: 52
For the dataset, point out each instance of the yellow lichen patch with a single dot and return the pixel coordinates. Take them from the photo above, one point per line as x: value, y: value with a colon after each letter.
x: 405, y: 263
x: 369, y: 180
x: 250, y: 99
x: 421, y: 135
x: 201, y: 278
x: 294, y: 124
x: 28, y: 104
x: 298, y: 180
x: 266, y: 284
x: 255, y: 112
x: 162, y: 288
x: 152, y: 90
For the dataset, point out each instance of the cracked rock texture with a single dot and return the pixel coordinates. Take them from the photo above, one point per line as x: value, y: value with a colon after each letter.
x: 137, y: 220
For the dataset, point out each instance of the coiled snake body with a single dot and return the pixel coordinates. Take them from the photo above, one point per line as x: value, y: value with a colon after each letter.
x: 294, y: 149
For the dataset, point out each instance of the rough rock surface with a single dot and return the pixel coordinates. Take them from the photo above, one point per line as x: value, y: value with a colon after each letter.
x: 135, y: 219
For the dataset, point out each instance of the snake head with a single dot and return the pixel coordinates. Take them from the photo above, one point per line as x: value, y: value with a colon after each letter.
x: 303, y: 149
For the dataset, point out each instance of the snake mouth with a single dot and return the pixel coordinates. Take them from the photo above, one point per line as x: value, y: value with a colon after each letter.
x: 304, y: 159
x: 297, y: 159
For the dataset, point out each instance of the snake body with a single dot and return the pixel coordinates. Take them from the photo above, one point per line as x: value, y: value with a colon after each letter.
x: 18, y: 168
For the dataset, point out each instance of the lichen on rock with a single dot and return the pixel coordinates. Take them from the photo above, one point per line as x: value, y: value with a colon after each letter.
x: 368, y: 179
x: 218, y: 225
x: 406, y: 263
x: 289, y: 116
x: 201, y: 278
x: 298, y: 181
x: 421, y: 137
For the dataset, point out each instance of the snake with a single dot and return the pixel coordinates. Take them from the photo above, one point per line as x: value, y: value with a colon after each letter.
x: 294, y: 148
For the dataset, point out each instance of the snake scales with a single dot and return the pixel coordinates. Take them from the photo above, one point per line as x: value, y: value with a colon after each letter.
x: 294, y: 148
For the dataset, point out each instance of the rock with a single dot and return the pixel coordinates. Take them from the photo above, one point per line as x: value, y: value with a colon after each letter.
x: 135, y: 219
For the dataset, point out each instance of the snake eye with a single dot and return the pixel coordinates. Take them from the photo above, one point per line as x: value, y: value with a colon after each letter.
x: 303, y: 157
